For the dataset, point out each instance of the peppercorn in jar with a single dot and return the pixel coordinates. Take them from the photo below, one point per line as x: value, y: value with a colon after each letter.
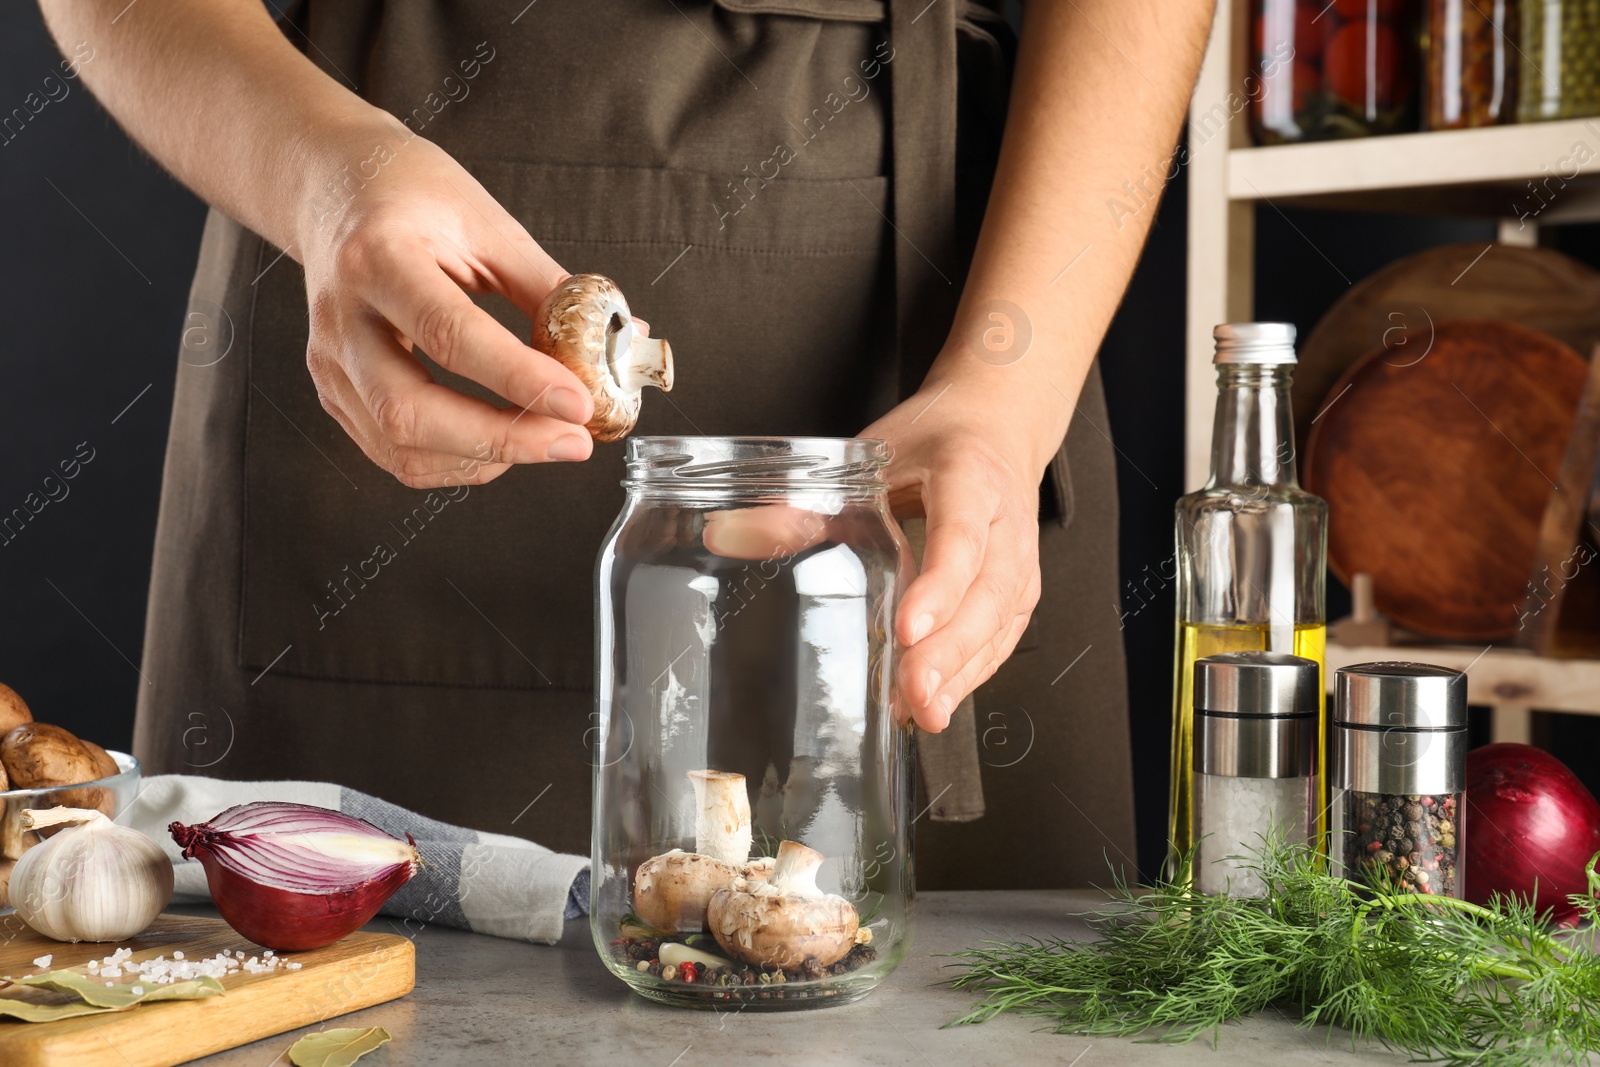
x: 1400, y: 741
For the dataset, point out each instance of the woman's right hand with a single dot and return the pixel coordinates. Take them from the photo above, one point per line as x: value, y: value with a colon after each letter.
x: 389, y: 268
x: 392, y: 232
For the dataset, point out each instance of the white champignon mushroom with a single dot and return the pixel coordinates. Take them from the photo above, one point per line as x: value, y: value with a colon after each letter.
x: 585, y: 323
x: 671, y: 891
x: 785, y: 920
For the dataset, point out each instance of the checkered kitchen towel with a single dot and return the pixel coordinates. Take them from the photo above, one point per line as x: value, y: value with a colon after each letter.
x: 486, y: 883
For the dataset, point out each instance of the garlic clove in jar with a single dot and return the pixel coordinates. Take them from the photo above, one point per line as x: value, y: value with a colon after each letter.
x: 95, y: 881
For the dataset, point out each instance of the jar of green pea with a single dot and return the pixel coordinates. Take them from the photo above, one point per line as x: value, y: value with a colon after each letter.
x: 1561, y: 60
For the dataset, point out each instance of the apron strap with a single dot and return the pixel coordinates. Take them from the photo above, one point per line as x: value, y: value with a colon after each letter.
x: 923, y: 145
x: 923, y: 142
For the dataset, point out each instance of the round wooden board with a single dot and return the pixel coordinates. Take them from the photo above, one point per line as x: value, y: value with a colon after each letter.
x: 1534, y: 287
x: 1437, y: 465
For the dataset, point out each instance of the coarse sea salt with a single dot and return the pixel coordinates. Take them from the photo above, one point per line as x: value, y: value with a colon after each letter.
x: 43, y: 962
x: 164, y: 971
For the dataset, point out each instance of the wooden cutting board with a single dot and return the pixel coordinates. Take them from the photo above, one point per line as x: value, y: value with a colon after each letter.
x: 362, y: 970
x: 1437, y: 468
x: 1534, y: 287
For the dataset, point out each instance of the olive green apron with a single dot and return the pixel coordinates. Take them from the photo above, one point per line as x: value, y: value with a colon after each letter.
x: 729, y: 163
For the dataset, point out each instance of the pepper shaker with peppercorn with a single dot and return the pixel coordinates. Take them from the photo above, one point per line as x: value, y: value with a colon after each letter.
x: 1255, y: 763
x: 1400, y: 746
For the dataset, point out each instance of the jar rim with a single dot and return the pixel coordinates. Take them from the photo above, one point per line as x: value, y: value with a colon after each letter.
x: 752, y: 461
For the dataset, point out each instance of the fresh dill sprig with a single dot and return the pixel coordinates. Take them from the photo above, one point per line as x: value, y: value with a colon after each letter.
x: 1442, y: 980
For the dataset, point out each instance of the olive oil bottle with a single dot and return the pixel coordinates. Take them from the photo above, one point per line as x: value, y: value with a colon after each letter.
x: 1251, y: 544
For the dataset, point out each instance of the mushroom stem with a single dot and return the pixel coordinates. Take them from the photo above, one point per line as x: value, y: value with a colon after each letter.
x: 640, y: 361
x: 722, y: 816
x: 796, y: 870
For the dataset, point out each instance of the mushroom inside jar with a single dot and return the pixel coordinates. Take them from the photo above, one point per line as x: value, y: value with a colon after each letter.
x: 672, y: 891
x: 784, y: 920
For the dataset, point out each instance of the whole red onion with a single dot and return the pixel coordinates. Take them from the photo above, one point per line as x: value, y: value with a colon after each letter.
x: 1529, y: 820
x: 294, y: 877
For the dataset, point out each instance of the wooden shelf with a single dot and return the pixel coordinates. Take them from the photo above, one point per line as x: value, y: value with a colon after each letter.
x: 1474, y: 172
x: 1480, y: 173
x: 1483, y: 173
x: 1508, y: 676
x: 1512, y: 681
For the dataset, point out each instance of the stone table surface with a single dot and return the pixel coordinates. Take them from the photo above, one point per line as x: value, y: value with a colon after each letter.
x: 484, y: 1000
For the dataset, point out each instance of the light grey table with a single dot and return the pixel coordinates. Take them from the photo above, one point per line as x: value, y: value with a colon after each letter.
x: 482, y: 1000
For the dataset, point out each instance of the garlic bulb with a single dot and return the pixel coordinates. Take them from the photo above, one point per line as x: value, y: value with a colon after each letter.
x: 95, y: 881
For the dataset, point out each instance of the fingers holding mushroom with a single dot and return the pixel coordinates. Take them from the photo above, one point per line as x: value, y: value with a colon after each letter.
x: 585, y: 323
x: 785, y: 920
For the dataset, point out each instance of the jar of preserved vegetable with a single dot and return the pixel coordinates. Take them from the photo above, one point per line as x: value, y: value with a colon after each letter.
x: 1326, y: 70
x: 1561, y: 60
x: 752, y: 785
x: 1400, y: 747
x: 1255, y: 764
x: 1472, y: 63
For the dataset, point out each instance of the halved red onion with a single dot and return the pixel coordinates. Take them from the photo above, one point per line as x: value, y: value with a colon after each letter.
x: 293, y: 877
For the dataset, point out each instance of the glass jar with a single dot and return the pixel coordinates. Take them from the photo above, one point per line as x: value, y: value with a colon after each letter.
x: 1561, y: 60
x: 1400, y: 751
x: 1255, y: 765
x: 1472, y: 63
x: 752, y: 785
x: 1251, y: 545
x: 1327, y: 70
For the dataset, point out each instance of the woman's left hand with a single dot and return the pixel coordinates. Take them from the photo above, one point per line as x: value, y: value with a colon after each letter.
x: 974, y: 479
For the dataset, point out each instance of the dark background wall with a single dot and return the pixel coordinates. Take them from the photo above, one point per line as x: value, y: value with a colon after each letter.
x: 98, y: 249
x: 98, y: 246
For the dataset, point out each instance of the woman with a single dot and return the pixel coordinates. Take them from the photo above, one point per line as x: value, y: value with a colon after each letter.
x: 792, y: 191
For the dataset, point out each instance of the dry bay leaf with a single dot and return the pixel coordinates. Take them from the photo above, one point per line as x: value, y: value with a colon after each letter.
x: 94, y: 991
x: 95, y: 997
x: 33, y: 1011
x: 336, y: 1048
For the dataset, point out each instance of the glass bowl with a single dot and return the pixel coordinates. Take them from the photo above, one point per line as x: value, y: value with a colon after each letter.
x: 112, y: 795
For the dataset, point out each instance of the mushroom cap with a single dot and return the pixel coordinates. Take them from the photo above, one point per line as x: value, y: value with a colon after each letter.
x: 672, y: 891
x: 585, y: 323
x: 764, y: 926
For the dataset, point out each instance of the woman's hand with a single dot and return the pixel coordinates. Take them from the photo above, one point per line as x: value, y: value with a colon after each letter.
x: 393, y: 233
x: 975, y: 482
x: 392, y: 268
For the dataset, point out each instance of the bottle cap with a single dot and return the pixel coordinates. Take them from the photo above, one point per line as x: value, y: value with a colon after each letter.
x: 1257, y: 683
x: 1254, y: 342
x: 1410, y: 696
x: 1400, y: 729
x: 1256, y: 715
